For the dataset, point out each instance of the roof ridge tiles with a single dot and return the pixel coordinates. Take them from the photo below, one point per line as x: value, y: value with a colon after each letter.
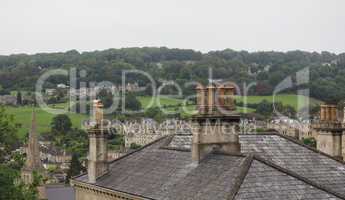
x: 295, y: 175
x: 245, y: 166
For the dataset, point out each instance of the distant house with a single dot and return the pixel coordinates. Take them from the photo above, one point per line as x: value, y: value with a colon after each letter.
x: 52, y: 156
x: 8, y: 100
x: 50, y: 92
x: 62, y: 86
x: 149, y: 130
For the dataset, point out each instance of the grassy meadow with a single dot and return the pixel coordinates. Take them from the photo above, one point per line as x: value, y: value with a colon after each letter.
x: 286, y: 99
x: 22, y: 115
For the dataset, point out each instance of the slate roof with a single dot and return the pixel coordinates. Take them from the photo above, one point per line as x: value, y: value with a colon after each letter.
x: 57, y: 192
x: 265, y: 182
x: 271, y: 167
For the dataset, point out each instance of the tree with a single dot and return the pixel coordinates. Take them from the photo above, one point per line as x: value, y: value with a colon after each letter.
x: 132, y: 103
x: 76, y: 141
x: 135, y: 146
x: 61, y: 124
x: 310, y: 142
x: 327, y: 70
x: 106, y: 98
x: 155, y: 113
x: 264, y: 108
x: 8, y: 137
x: 11, y: 189
x: 75, y: 168
x: 19, y: 98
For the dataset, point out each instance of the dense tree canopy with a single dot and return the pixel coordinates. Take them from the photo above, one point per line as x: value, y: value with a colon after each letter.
x: 10, y: 163
x: 75, y: 168
x: 8, y: 137
x: 61, y: 123
x: 19, y: 72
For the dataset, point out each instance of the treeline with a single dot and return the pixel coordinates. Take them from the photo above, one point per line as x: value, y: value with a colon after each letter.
x: 268, y: 69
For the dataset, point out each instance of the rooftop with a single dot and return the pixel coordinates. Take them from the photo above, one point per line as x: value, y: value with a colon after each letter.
x: 58, y: 192
x: 271, y: 166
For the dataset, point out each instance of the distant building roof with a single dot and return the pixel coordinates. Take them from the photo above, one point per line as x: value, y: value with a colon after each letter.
x: 271, y: 167
x: 58, y: 192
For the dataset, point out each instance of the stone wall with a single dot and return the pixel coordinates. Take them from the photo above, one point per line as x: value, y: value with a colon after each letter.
x: 85, y: 191
x: 300, y: 132
x: 330, y: 143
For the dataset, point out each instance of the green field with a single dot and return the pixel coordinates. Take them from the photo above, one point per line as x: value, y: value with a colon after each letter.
x: 163, y: 100
x: 286, y: 99
x: 22, y: 116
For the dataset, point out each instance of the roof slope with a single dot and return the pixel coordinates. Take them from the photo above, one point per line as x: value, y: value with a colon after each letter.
x: 265, y: 182
x: 57, y: 192
x: 166, y: 174
x: 164, y: 170
x: 295, y: 157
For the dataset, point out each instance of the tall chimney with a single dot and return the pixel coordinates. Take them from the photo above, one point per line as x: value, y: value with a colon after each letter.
x: 98, y: 153
x: 328, y: 113
x: 201, y: 99
x: 216, y: 128
x: 330, y: 138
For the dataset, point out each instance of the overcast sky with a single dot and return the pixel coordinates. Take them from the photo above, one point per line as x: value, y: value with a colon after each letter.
x: 32, y: 26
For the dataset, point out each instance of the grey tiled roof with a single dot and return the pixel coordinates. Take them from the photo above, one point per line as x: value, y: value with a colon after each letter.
x: 265, y: 182
x: 294, y: 157
x: 166, y: 174
x: 281, y: 169
x: 60, y: 193
x: 181, y: 141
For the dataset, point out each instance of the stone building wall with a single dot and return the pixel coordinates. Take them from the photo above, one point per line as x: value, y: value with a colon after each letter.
x: 142, y: 134
x: 330, y: 143
x: 300, y: 132
x: 91, y: 192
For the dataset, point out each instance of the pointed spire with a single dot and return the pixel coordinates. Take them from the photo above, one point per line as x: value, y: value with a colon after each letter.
x: 33, y: 122
x: 33, y: 160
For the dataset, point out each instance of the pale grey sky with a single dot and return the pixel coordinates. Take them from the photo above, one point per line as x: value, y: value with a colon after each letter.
x: 31, y: 26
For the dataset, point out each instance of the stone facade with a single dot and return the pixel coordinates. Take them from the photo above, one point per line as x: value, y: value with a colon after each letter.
x: 87, y: 192
x: 50, y: 155
x: 148, y: 131
x: 330, y: 143
x: 295, y: 130
x: 8, y: 100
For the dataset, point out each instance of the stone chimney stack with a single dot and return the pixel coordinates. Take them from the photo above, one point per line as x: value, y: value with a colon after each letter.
x: 98, y: 152
x: 330, y: 137
x: 328, y: 113
x: 216, y: 124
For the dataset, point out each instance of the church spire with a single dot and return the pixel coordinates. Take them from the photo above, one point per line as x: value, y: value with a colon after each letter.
x: 33, y: 161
